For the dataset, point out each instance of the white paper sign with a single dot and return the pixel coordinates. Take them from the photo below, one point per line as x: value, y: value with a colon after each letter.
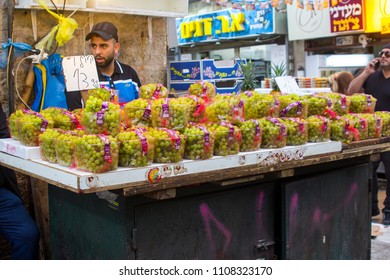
x: 80, y: 72
x: 287, y: 84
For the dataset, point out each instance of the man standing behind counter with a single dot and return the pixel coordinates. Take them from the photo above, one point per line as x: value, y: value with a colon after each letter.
x: 112, y: 74
x: 375, y: 80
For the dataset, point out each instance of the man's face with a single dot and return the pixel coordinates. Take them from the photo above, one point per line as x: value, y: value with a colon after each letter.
x: 384, y: 56
x: 103, y: 51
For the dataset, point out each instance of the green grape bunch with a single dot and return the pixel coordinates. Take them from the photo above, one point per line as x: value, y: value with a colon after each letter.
x: 374, y: 124
x: 153, y: 91
x: 169, y: 145
x: 317, y: 104
x: 13, y: 123
x: 293, y: 106
x: 318, y: 129
x: 206, y: 90
x: 338, y: 104
x: 101, y: 93
x: 138, y: 112
x: 342, y: 130
x: 361, y: 103
x: 251, y: 135
x: 31, y: 125
x: 196, y: 107
x: 169, y: 113
x: 274, y: 133
x: 47, y: 144
x: 136, y: 148
x: 297, y: 131
x: 101, y: 117
x: 227, y: 138
x: 358, y: 126
x: 65, y: 146
x: 62, y: 118
x: 199, y: 142
x: 259, y: 105
x: 96, y: 153
x: 385, y: 117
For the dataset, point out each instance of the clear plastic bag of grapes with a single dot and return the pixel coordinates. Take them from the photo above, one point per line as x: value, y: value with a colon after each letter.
x: 196, y: 107
x: 47, y: 143
x: 199, y: 142
x: 317, y: 104
x: 13, y: 123
x: 204, y: 90
x: 62, y: 118
x: 138, y: 112
x: 227, y: 138
x: 374, y: 124
x: 338, y: 104
x: 169, y: 145
x: 274, y: 133
x: 342, y: 129
x: 169, y: 113
x: 96, y: 153
x: 293, y: 106
x: 153, y: 91
x: 226, y: 108
x: 258, y: 105
x: 297, y: 131
x: 385, y: 117
x: 101, y: 117
x: 361, y: 103
x: 136, y: 148
x: 360, y: 125
x: 65, y: 146
x: 318, y: 129
x: 251, y: 135
x: 30, y: 126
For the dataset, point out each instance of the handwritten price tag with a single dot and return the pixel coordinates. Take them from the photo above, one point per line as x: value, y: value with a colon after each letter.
x: 287, y: 84
x: 80, y: 72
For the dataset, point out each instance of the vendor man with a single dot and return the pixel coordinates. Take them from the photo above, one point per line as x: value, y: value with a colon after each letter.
x: 112, y: 74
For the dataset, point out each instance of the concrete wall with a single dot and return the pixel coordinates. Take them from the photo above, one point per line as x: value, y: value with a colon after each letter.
x: 143, y: 40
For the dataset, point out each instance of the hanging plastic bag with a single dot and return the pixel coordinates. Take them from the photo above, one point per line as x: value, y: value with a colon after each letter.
x: 62, y: 32
x: 19, y: 49
x: 49, y: 85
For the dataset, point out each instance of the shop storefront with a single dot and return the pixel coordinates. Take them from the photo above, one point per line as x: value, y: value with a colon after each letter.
x: 338, y: 35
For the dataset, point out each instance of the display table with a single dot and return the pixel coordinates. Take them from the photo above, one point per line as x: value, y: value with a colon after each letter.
x: 300, y: 202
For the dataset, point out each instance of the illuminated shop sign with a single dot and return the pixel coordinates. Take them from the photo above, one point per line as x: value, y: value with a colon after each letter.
x: 346, y: 15
x: 225, y: 24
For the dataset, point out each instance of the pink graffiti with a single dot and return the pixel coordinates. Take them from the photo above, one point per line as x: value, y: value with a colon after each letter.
x: 320, y: 219
x: 259, y: 214
x: 294, y: 201
x: 208, y: 218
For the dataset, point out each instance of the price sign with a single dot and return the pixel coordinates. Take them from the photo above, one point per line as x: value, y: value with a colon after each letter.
x: 80, y: 72
x: 287, y: 84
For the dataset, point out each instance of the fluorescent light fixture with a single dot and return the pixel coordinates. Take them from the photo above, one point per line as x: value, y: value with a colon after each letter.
x: 348, y: 60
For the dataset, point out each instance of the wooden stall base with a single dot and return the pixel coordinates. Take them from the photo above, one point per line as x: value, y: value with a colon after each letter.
x: 363, y: 143
x: 41, y: 208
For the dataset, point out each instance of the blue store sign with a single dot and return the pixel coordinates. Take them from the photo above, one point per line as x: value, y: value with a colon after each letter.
x: 226, y: 24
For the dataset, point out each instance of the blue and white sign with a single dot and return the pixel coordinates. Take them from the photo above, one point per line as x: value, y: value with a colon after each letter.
x: 226, y: 24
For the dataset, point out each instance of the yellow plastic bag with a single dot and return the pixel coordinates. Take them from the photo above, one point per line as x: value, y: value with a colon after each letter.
x: 63, y: 31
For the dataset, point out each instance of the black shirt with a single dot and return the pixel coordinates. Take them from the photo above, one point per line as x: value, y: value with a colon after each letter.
x: 379, y: 87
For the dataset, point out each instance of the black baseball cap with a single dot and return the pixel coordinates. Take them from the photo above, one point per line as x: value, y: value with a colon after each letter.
x: 387, y: 46
x: 106, y: 30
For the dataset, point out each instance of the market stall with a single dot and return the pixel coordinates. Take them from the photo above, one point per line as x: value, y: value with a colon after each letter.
x: 303, y: 202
